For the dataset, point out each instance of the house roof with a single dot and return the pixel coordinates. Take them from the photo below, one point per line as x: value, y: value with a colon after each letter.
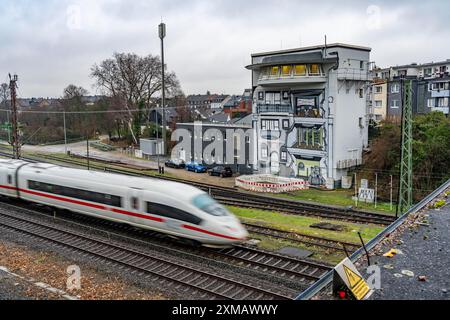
x: 306, y: 57
x: 333, y: 45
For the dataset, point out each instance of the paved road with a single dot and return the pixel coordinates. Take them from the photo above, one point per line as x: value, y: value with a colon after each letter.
x: 425, y: 252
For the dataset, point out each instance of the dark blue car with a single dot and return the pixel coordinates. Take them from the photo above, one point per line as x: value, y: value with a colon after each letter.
x: 196, y: 167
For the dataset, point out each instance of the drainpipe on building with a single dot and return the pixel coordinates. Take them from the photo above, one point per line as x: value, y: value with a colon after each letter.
x: 330, y: 119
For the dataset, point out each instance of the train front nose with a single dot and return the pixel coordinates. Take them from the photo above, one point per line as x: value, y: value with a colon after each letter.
x: 237, y: 231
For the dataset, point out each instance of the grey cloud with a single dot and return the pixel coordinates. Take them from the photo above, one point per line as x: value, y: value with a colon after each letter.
x: 209, y: 42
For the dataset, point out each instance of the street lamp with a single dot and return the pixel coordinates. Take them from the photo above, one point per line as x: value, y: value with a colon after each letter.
x: 162, y: 35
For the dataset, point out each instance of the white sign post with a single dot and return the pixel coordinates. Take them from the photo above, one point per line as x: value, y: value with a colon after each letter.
x: 366, y: 195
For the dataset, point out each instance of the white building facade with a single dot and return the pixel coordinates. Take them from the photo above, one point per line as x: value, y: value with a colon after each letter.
x: 309, y: 111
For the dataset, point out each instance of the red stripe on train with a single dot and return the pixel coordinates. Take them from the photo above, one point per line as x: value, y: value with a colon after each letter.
x: 210, y: 233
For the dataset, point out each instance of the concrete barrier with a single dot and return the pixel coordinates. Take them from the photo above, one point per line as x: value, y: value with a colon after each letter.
x: 267, y: 183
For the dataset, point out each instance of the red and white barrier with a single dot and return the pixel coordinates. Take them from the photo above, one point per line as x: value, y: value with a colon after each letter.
x: 267, y: 183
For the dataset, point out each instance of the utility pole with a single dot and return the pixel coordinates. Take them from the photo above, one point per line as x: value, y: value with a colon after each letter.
x: 15, y: 129
x: 391, y: 195
x: 87, y: 151
x: 65, y: 132
x: 157, y: 140
x: 405, y: 187
x: 376, y: 189
x: 162, y: 35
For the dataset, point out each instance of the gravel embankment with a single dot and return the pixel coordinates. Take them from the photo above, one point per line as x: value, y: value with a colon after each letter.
x: 38, y: 266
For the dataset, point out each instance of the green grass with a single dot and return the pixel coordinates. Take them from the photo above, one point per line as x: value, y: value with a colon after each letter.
x: 302, y: 224
x: 336, y: 197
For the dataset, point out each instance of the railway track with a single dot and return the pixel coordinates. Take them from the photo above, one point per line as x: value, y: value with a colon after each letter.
x: 230, y: 196
x: 328, y: 244
x: 292, y: 272
x: 165, y: 271
x: 301, y: 209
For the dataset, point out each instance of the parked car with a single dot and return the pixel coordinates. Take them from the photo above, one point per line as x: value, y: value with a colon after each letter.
x: 176, y: 164
x: 221, y: 171
x: 195, y: 167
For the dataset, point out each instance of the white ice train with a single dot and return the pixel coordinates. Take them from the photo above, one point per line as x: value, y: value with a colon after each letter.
x: 176, y: 209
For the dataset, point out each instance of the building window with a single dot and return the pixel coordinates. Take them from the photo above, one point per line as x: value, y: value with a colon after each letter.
x: 442, y: 102
x: 361, y: 125
x: 9, y: 179
x: 285, y: 95
x: 314, y: 70
x: 172, y: 213
x: 395, y: 88
x: 361, y: 93
x: 274, y: 71
x: 286, y: 71
x: 378, y: 89
x: 395, y: 104
x: 311, y: 138
x: 283, y: 156
x: 430, y: 103
x: 135, y: 203
x: 402, y: 73
x: 361, y: 65
x: 270, y: 125
x: 378, y: 103
x: 427, y: 72
x: 261, y: 95
x: 264, y: 151
x: 438, y: 86
x: 300, y: 70
x: 286, y: 124
x: 69, y: 192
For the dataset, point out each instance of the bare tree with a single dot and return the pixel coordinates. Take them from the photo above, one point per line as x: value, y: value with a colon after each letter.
x: 4, y: 93
x: 72, y: 91
x: 133, y: 78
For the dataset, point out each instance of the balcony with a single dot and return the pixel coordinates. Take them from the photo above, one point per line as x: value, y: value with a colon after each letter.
x: 440, y: 93
x: 291, y: 79
x: 354, y: 74
x: 309, y: 121
x: 278, y: 108
x: 298, y: 150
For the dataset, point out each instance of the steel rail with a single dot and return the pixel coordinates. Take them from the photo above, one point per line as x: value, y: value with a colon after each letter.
x: 113, y: 252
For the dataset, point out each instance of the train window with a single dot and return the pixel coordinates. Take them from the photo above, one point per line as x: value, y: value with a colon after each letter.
x: 9, y: 179
x: 135, y: 203
x: 91, y: 196
x: 207, y: 204
x: 172, y: 213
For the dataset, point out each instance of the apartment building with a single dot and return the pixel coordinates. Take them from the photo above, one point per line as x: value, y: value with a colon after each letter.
x: 431, y: 84
x: 377, y: 100
x: 309, y: 111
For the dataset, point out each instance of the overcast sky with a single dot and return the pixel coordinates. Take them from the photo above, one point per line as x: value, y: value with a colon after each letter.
x: 52, y: 43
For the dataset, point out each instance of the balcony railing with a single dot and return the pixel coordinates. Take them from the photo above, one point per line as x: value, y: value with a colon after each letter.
x: 354, y: 74
x: 284, y: 108
x: 291, y: 76
x: 308, y: 113
x: 304, y: 146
